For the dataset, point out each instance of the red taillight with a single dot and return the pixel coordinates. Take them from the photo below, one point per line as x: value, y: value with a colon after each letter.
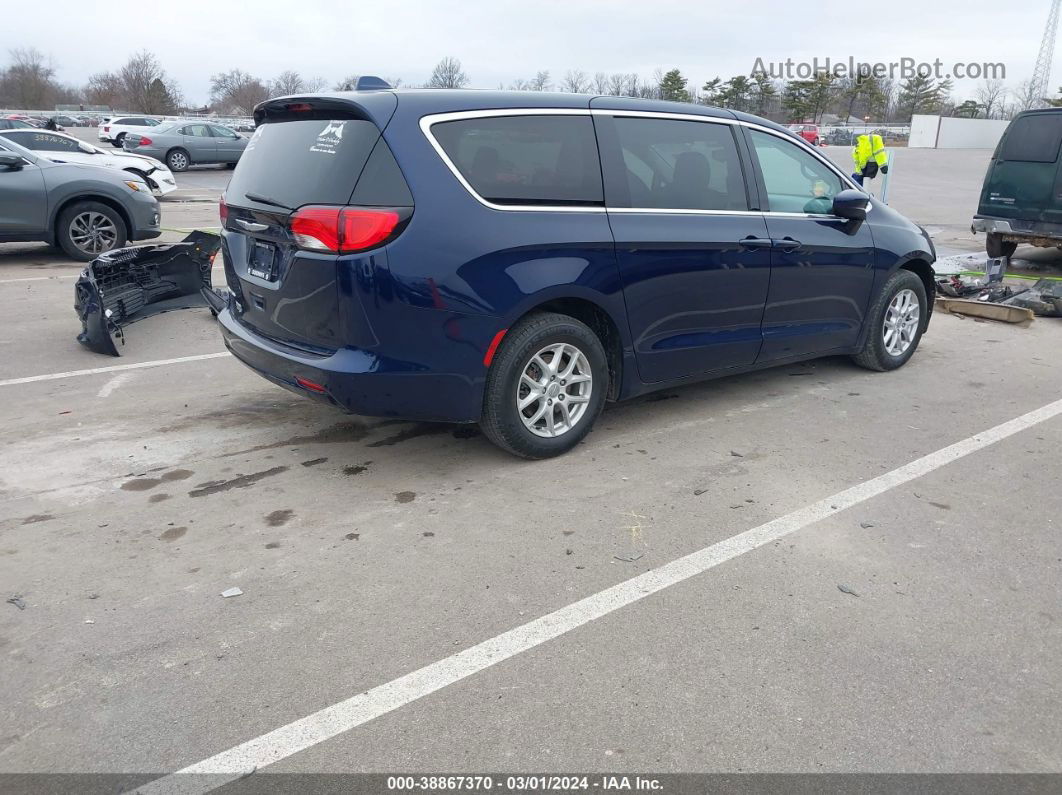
x: 342, y: 229
x: 223, y: 209
x: 298, y: 107
x: 141, y: 141
x: 311, y: 385
x: 106, y: 128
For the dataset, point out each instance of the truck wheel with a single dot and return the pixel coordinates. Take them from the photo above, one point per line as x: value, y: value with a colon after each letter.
x: 87, y: 229
x: 545, y: 387
x: 997, y: 247
x: 896, y: 323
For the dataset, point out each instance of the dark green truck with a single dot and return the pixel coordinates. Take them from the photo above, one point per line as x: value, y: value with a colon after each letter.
x: 1021, y: 200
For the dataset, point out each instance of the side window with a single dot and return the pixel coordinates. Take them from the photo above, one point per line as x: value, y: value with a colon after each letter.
x: 152, y: 122
x: 680, y: 165
x: 1033, y: 139
x: 196, y: 130
x: 221, y: 132
x: 796, y: 181
x: 526, y: 159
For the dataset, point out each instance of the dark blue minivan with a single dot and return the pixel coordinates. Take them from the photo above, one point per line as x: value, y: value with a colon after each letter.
x: 516, y: 259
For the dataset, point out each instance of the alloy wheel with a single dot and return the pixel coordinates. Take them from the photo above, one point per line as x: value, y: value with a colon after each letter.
x: 901, y: 322
x: 93, y: 232
x: 554, y: 390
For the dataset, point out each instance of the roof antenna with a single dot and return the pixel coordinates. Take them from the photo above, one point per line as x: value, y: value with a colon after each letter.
x: 371, y: 83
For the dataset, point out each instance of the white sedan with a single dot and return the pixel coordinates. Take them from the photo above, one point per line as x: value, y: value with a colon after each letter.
x: 62, y: 148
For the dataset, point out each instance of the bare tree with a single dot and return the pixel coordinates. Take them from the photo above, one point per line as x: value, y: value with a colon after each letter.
x: 236, y: 91
x: 29, y: 81
x: 600, y: 83
x: 576, y: 82
x: 145, y: 86
x: 1025, y: 97
x: 991, y: 95
x: 540, y: 82
x: 519, y: 84
x: 287, y: 82
x: 447, y: 74
x: 105, y: 88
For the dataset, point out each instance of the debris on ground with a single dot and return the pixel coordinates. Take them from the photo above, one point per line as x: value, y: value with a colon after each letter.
x: 17, y: 601
x: 699, y: 492
x: 129, y: 284
x: 630, y: 559
x: 960, y: 291
x: 865, y: 525
x: 847, y: 589
x: 232, y: 592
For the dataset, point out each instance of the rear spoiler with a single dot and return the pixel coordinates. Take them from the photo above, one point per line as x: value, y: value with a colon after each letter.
x: 129, y: 284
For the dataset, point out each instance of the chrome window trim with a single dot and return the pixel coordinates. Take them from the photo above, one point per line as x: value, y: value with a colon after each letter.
x: 426, y: 123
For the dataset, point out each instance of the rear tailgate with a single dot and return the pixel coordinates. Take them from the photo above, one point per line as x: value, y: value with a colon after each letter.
x: 286, y: 292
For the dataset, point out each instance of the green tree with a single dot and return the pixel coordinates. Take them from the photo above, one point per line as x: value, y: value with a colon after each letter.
x: 711, y: 91
x: 969, y: 109
x: 763, y: 94
x: 918, y: 94
x: 673, y: 87
x: 737, y: 93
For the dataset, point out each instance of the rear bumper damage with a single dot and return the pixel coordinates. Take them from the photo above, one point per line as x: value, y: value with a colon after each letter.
x: 129, y: 284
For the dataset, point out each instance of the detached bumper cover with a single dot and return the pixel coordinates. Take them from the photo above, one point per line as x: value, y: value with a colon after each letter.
x: 130, y: 284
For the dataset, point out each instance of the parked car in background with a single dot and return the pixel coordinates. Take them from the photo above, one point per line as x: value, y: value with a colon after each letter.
x: 1020, y: 199
x: 186, y: 143
x: 67, y: 121
x: 518, y: 260
x: 62, y: 148
x: 15, y: 124
x: 809, y: 132
x: 86, y: 210
x: 115, y: 129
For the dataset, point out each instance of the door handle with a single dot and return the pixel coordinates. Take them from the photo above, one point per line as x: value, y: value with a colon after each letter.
x: 756, y: 242
x: 787, y: 244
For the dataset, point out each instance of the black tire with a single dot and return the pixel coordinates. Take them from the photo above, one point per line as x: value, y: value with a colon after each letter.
x: 230, y: 166
x: 995, y: 246
x: 118, y: 141
x: 875, y: 355
x: 178, y: 160
x: 502, y: 422
x: 64, y: 234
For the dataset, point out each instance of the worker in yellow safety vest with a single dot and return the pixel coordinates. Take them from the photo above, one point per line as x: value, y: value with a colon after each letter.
x: 870, y: 156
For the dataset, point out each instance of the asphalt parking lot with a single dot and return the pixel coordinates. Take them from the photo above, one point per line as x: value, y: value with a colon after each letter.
x: 837, y: 570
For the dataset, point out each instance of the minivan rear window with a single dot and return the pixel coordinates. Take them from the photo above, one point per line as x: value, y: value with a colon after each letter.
x: 541, y: 160
x: 1034, y: 138
x: 312, y: 161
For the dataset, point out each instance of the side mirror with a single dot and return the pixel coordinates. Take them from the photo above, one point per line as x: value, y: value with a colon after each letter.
x: 11, y: 161
x: 851, y: 204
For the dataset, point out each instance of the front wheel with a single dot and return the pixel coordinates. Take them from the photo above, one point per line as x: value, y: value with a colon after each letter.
x: 896, y: 320
x: 545, y: 387
x: 88, y: 229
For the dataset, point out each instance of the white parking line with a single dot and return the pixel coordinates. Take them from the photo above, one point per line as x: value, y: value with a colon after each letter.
x: 364, y: 707
x: 39, y: 278
x: 112, y: 369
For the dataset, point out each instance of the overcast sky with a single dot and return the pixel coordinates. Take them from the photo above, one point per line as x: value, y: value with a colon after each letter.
x: 498, y: 41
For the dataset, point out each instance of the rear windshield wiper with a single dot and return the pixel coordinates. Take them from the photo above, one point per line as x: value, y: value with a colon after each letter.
x: 266, y: 200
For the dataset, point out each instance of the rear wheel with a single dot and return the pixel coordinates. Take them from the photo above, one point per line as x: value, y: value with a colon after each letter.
x: 87, y: 229
x: 118, y: 141
x: 178, y: 160
x: 546, y: 386
x: 996, y: 246
x: 896, y: 322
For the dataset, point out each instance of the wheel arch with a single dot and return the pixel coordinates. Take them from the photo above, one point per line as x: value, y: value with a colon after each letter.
x: 924, y: 271
x: 600, y: 321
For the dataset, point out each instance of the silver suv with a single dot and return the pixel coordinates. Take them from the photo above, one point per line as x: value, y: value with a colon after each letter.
x: 85, y: 210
